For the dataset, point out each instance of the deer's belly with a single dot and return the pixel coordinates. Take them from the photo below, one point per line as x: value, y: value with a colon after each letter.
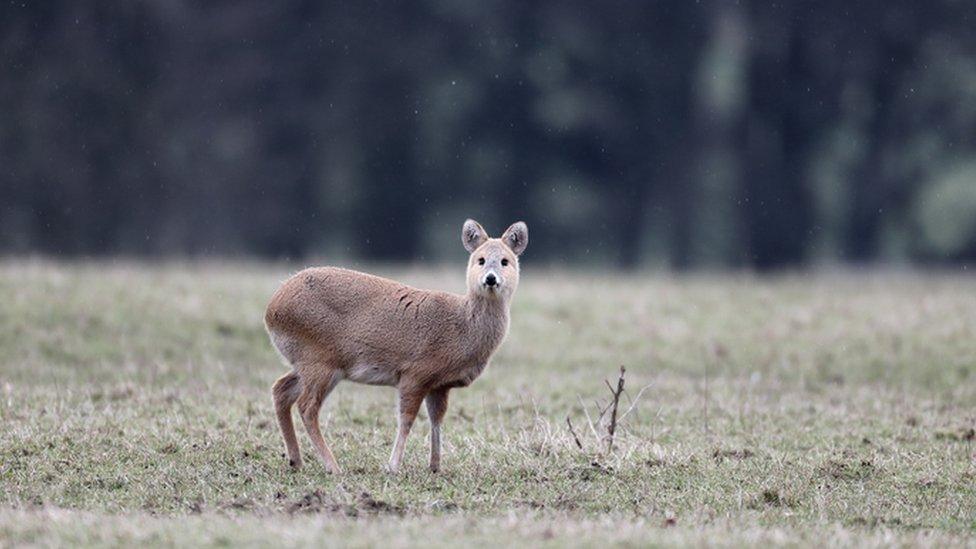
x: 372, y: 374
x: 466, y: 376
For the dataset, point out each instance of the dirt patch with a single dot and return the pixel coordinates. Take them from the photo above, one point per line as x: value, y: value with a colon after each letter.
x: 364, y: 503
x: 842, y: 470
x: 874, y: 522
x: 964, y: 434
x: 772, y: 497
x: 743, y: 453
x: 561, y: 503
x: 239, y: 504
x: 592, y: 471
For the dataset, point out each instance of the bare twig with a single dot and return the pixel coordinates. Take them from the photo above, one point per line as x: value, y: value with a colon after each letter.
x: 612, y: 428
x: 588, y: 419
x: 634, y: 401
x: 611, y: 416
x: 572, y: 431
x: 603, y: 410
x: 705, y: 397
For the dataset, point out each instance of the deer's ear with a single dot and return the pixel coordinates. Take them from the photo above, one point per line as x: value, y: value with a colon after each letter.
x: 517, y: 237
x: 473, y: 235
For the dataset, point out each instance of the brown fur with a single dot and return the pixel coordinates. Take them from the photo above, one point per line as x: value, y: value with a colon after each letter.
x: 332, y: 324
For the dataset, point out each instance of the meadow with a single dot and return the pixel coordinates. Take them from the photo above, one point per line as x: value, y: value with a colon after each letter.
x: 831, y: 408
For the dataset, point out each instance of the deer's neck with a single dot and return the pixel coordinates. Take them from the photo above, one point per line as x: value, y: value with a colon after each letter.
x: 487, y: 320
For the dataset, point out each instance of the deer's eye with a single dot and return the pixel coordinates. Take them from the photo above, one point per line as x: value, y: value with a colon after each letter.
x: 481, y: 261
x: 504, y: 263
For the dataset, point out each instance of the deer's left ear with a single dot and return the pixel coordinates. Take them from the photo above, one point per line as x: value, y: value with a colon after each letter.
x: 517, y: 237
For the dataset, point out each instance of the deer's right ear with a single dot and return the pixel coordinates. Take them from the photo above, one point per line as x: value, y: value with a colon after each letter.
x: 473, y: 235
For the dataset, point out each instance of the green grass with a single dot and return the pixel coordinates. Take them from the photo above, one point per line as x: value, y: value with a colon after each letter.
x: 795, y: 410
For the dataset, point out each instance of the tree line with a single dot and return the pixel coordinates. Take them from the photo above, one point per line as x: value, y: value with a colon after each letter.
x: 750, y: 134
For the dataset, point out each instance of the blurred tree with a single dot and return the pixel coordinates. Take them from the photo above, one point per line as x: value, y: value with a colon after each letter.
x: 758, y: 134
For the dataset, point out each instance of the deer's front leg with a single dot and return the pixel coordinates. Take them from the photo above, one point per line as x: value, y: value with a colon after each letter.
x: 436, y: 408
x: 408, y: 404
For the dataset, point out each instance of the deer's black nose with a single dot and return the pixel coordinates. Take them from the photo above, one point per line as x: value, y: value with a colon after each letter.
x: 491, y: 280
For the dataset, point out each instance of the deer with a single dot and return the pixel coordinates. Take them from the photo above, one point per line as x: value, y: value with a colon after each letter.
x: 331, y: 324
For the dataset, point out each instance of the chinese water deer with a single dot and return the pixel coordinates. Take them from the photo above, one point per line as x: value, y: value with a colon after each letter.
x: 332, y: 324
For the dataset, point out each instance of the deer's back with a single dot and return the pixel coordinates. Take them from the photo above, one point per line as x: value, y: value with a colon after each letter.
x: 360, y: 321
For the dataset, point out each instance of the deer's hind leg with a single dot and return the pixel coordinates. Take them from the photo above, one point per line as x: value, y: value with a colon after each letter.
x: 318, y: 380
x: 286, y: 391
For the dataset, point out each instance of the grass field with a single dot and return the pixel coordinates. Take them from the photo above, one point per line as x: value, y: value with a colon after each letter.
x: 831, y: 409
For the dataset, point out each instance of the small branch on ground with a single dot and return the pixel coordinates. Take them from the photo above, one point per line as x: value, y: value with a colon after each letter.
x: 612, y: 428
x: 572, y: 431
x: 609, y: 417
x: 633, y: 402
x: 588, y: 419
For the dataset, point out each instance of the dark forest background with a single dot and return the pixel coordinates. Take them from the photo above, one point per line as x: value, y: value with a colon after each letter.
x: 747, y: 134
